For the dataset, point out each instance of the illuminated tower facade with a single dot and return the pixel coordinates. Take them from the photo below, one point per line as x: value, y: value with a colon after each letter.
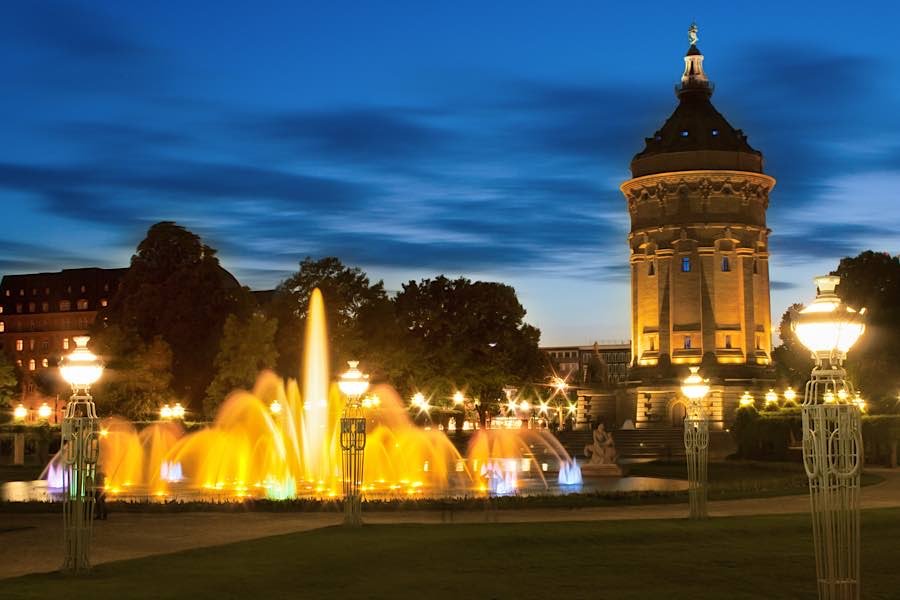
x: 699, y: 258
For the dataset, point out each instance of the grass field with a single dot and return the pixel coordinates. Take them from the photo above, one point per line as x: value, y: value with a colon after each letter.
x: 734, y: 558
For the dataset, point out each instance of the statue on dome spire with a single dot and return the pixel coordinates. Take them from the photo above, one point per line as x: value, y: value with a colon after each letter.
x: 692, y: 34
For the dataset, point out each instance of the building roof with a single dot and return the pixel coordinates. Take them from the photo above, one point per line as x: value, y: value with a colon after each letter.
x: 696, y: 136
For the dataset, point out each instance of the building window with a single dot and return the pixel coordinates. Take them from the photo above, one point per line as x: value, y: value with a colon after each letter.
x: 65, y: 343
x: 19, y: 363
x: 31, y: 365
x: 103, y: 302
x: 728, y: 341
x: 65, y: 305
x: 20, y: 345
x: 2, y: 326
x: 684, y: 133
x: 45, y: 306
x: 685, y: 264
x: 7, y: 293
x: 34, y: 291
x: 32, y: 307
x: 19, y: 307
x: 83, y: 289
x: 106, y: 287
x: 46, y: 291
x: 726, y: 266
x: 45, y: 363
x: 45, y: 345
x: 31, y: 344
x: 1, y: 309
x: 82, y: 304
x: 21, y: 292
x: 651, y: 268
x: 69, y: 289
x: 687, y: 342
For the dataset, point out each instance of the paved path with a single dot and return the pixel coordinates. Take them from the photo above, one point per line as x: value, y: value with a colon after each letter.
x: 33, y: 543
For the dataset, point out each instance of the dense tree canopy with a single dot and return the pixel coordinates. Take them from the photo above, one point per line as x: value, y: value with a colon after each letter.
x: 247, y: 347
x: 473, y: 332
x: 349, y: 299
x: 137, y: 377
x: 9, y: 381
x: 176, y: 289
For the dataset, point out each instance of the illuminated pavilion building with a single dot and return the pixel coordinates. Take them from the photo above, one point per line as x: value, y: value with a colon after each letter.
x: 699, y: 259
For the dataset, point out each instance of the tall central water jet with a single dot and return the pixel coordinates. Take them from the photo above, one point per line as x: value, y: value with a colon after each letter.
x: 316, y: 450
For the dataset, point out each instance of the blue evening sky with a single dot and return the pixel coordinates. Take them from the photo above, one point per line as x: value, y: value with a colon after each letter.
x: 484, y: 139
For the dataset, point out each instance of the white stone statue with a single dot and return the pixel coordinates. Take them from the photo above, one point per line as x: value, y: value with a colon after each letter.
x: 603, y: 450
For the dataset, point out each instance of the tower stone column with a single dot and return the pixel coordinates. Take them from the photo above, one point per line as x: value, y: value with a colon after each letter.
x: 699, y: 258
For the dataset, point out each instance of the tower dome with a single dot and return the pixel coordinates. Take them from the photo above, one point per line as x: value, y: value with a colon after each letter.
x: 696, y: 136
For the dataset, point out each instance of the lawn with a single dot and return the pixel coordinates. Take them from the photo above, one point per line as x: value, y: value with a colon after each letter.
x: 730, y: 480
x: 734, y: 558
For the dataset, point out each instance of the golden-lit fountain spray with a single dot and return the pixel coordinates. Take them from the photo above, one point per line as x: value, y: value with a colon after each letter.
x: 274, y: 442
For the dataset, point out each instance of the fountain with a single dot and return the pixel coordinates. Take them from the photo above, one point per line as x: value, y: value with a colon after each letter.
x: 253, y: 449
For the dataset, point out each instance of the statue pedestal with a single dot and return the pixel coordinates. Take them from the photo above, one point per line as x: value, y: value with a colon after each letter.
x: 608, y: 470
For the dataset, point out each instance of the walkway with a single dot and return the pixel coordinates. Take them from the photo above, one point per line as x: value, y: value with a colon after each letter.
x: 32, y: 543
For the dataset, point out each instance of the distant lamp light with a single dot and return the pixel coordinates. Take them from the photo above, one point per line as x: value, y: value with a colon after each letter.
x: 178, y: 411
x: 165, y: 412
x: 829, y: 397
x: 572, y: 407
x: 458, y: 398
x: 828, y: 327
x: 859, y: 402
x: 44, y: 411
x: 275, y: 407
x: 525, y: 406
x: 560, y: 384
x: 81, y: 368
x: 843, y: 395
x: 771, y: 397
x: 747, y: 399
x: 418, y: 399
x: 790, y: 395
x: 353, y: 382
x: 20, y: 412
x: 511, y: 406
x: 544, y: 407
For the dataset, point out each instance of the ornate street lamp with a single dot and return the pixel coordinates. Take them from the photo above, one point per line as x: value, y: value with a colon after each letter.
x: 80, y: 451
x: 747, y: 399
x: 771, y: 398
x: 790, y: 395
x: 696, y: 441
x: 20, y: 412
x: 353, y: 384
x: 832, y: 439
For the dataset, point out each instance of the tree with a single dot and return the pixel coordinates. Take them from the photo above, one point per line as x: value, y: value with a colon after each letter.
x: 137, y: 376
x: 247, y: 347
x: 871, y: 280
x: 9, y: 381
x: 349, y: 298
x: 472, y: 332
x: 176, y: 289
x: 793, y: 361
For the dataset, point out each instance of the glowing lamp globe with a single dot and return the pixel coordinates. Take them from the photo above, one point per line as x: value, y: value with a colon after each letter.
x: 44, y: 411
x: 458, y: 398
x: 746, y: 399
x: 20, y: 412
x: 165, y: 412
x: 178, y: 411
x: 81, y: 368
x: 771, y: 397
x: 353, y: 383
x: 828, y: 327
x: 694, y: 386
x: 418, y: 399
x: 790, y: 395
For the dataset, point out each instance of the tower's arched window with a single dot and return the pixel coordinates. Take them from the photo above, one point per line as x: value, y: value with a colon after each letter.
x: 755, y: 266
x: 687, y: 342
x: 725, y: 264
x: 685, y: 264
x: 651, y: 268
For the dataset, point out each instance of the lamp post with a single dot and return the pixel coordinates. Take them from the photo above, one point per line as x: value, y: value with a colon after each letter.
x: 353, y: 384
x: 832, y: 439
x: 696, y: 441
x: 80, y: 451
